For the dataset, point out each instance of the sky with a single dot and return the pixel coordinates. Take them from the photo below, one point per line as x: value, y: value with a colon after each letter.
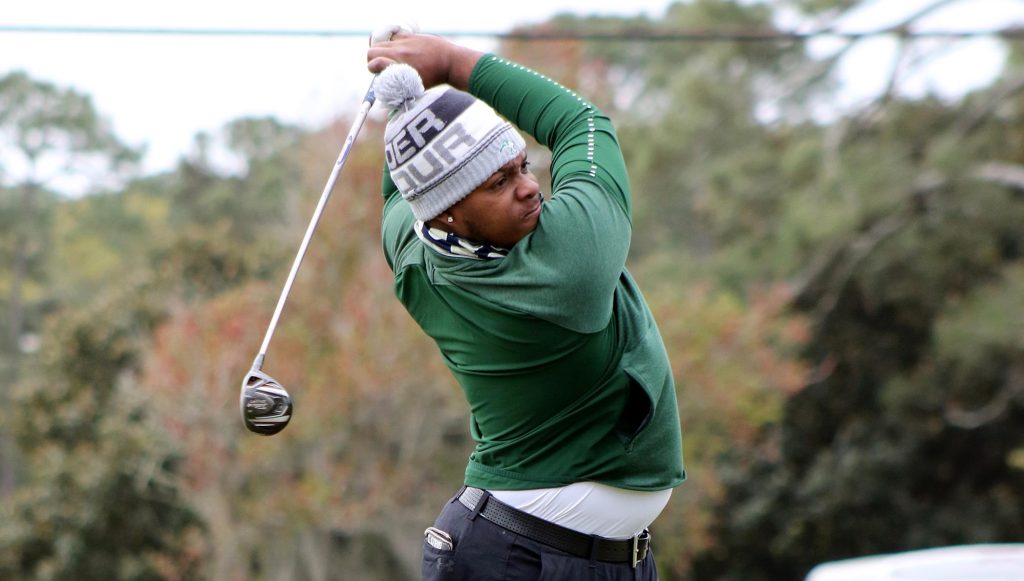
x: 158, y: 91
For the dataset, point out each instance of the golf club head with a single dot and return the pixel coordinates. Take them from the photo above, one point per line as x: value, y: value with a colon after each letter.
x: 266, y: 406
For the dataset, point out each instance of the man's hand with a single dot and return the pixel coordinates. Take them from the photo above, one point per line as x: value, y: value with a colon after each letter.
x: 437, y: 60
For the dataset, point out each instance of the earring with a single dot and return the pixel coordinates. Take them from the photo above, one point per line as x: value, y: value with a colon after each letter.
x: 450, y: 219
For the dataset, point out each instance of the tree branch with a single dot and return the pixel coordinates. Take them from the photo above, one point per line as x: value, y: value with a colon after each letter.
x: 1001, y: 173
x: 856, y: 122
x: 975, y: 119
x: 834, y: 269
x: 996, y: 407
x: 843, y: 258
x: 929, y: 9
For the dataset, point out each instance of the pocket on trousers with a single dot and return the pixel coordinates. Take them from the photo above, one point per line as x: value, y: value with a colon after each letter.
x: 438, y: 555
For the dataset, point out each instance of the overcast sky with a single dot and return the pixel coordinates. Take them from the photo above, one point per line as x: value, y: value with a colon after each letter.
x: 159, y: 91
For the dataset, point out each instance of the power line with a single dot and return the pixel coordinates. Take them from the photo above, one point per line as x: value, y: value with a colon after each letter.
x: 1010, y: 33
x: 761, y: 36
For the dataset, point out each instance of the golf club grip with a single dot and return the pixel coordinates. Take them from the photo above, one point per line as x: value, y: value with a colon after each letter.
x: 353, y: 132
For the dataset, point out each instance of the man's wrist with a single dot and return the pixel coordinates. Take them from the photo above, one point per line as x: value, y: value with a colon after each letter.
x: 462, y: 64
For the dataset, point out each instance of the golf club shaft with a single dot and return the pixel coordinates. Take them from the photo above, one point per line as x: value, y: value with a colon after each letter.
x: 353, y: 132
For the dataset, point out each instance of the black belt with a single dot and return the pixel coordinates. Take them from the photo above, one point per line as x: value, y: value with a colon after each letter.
x: 630, y: 551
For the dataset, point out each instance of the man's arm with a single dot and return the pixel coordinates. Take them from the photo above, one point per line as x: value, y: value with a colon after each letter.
x: 582, y: 140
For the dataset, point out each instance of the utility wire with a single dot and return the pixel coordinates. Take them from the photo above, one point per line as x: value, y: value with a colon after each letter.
x: 1010, y: 33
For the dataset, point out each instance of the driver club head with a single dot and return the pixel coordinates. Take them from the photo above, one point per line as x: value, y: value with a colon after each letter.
x: 266, y: 406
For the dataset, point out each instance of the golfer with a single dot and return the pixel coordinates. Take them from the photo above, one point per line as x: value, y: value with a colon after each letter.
x: 571, y: 397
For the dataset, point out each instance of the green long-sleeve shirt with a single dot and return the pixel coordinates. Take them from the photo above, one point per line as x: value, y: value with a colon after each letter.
x: 557, y: 353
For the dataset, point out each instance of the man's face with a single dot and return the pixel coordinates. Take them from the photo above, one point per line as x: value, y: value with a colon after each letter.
x: 503, y: 209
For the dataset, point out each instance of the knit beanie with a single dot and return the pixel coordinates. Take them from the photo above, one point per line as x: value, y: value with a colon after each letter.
x: 440, y: 144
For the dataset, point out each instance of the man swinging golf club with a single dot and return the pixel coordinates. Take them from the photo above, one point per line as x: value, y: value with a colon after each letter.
x: 573, y: 407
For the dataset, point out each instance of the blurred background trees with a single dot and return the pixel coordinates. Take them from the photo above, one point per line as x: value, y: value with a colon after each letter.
x: 841, y: 291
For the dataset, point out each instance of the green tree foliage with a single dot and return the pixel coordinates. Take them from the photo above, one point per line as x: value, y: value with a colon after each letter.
x: 26, y: 255
x: 908, y: 432
x: 227, y: 228
x: 101, y: 490
x: 249, y: 199
x: 102, y: 498
x: 90, y: 236
x: 50, y: 131
x: 909, y: 436
x: 47, y: 132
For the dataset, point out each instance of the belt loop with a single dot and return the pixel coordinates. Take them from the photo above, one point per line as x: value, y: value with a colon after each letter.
x: 480, y: 503
x: 458, y: 494
x: 637, y: 558
x: 594, y: 540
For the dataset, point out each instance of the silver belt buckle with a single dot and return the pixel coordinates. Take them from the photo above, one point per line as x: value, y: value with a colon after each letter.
x: 637, y: 557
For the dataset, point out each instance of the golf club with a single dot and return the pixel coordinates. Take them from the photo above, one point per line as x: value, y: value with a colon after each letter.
x: 265, y: 404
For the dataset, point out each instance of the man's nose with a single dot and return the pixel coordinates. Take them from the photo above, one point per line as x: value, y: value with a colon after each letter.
x: 527, y: 187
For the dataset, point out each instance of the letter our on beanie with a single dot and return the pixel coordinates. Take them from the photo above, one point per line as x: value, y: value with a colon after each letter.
x: 440, y: 144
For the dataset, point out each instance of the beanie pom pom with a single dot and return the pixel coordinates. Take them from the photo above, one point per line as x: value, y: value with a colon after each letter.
x: 398, y: 87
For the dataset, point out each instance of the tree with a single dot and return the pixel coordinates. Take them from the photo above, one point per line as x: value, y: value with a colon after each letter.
x: 47, y: 132
x: 51, y: 133
x: 81, y: 405
x: 103, y: 497
x: 227, y: 227
x: 907, y: 434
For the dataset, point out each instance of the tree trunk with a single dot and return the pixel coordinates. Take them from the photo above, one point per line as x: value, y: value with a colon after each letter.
x: 15, y: 328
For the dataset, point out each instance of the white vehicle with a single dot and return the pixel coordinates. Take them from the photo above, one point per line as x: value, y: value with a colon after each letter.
x: 995, y: 562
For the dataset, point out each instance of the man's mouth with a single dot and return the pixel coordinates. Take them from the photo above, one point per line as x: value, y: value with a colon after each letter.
x: 536, y: 209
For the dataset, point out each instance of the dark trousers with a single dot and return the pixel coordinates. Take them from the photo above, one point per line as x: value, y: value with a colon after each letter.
x: 484, y: 551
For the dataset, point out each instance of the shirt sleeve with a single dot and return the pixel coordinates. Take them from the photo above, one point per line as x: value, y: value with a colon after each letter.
x: 568, y: 269
x: 582, y: 140
x: 397, y: 234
